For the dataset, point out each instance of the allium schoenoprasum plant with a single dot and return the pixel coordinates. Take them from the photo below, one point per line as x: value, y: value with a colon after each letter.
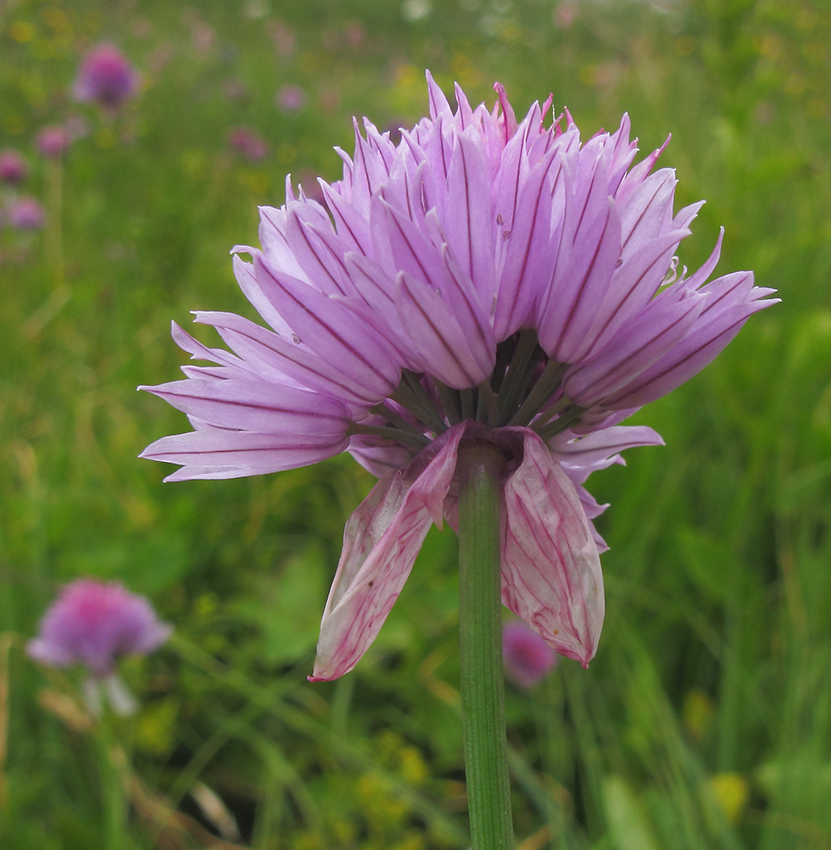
x: 470, y: 312
x: 703, y: 721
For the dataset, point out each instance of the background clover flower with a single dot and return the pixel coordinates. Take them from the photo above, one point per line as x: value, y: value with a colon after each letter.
x: 25, y: 213
x: 248, y: 144
x: 528, y: 658
x: 13, y: 168
x: 52, y: 141
x: 93, y: 623
x: 105, y: 77
x: 484, y: 281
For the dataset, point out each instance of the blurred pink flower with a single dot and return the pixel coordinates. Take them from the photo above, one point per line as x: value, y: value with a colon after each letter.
x: 13, y: 168
x: 26, y: 213
x: 290, y: 99
x: 283, y: 37
x: 106, y: 77
x: 565, y: 14
x: 53, y: 141
x: 77, y: 127
x: 248, y: 143
x: 484, y: 281
x: 328, y: 98
x: 355, y: 33
x: 528, y: 658
x: 234, y: 89
x: 92, y: 624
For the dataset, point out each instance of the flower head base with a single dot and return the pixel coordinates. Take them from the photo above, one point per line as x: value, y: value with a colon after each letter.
x: 106, y: 77
x: 483, y: 279
x: 92, y: 624
x: 528, y: 658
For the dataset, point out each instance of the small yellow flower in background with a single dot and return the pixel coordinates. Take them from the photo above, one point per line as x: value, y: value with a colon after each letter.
x: 731, y: 793
x: 21, y: 32
x: 697, y: 714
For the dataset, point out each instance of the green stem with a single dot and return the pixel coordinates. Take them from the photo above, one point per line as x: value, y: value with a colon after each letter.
x: 54, y: 222
x: 480, y: 638
x: 115, y: 803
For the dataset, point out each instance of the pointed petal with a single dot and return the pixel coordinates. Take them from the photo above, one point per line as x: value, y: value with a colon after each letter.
x: 592, y: 451
x: 551, y: 574
x: 320, y: 254
x: 731, y: 300
x: 470, y: 226
x: 251, y: 405
x: 333, y: 332
x: 380, y: 545
x: 531, y: 245
x: 580, y: 288
x: 351, y: 226
x: 659, y: 328
x: 447, y: 346
x: 259, y: 298
x: 437, y: 100
x: 219, y: 453
x: 272, y: 356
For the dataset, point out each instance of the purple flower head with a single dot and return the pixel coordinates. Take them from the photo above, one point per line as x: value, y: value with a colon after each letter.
x: 93, y: 623
x: 13, y: 168
x: 485, y: 279
x: 528, y: 658
x: 106, y: 77
x: 290, y: 99
x: 248, y: 143
x: 26, y: 213
x: 53, y: 141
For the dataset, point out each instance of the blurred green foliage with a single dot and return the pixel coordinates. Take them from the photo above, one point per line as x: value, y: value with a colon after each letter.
x: 705, y: 720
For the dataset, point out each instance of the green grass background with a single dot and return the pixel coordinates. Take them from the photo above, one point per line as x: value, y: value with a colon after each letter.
x: 705, y: 720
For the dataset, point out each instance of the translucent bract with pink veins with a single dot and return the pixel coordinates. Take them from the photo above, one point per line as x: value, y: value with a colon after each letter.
x: 483, y: 279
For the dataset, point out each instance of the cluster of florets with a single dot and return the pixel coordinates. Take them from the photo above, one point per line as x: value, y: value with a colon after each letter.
x: 483, y: 278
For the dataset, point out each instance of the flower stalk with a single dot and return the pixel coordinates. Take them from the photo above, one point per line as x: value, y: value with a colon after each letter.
x: 480, y: 634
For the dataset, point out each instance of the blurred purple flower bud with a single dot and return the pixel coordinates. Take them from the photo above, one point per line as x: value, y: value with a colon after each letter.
x: 13, y: 168
x: 248, y: 143
x: 528, y: 658
x: 106, y: 77
x: 26, y: 214
x: 92, y: 623
x: 291, y: 99
x: 53, y: 141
